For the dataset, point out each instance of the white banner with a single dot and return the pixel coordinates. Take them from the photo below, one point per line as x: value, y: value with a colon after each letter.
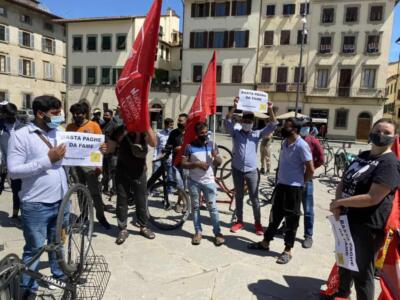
x: 344, y: 245
x: 82, y: 148
x: 254, y: 101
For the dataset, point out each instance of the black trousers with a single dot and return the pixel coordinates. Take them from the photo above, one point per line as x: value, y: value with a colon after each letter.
x: 286, y: 205
x: 108, y: 172
x: 367, y: 242
x: 138, y: 189
x: 16, y: 187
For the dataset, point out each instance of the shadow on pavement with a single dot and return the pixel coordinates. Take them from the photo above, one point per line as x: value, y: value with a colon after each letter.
x: 6, y: 221
x: 298, y: 288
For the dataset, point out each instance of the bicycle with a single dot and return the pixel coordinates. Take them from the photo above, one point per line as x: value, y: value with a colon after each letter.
x: 74, y: 228
x: 343, y: 159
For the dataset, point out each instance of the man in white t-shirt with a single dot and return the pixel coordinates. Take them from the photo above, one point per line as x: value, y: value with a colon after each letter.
x: 200, y: 156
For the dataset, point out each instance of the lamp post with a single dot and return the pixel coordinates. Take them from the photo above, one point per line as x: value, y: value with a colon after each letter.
x: 397, y: 78
x: 300, y: 73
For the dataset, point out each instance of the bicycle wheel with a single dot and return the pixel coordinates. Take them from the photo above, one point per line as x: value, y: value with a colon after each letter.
x: 328, y: 156
x: 9, y: 279
x: 74, y: 229
x: 226, y: 176
x: 225, y: 154
x: 340, y: 164
x: 168, y: 209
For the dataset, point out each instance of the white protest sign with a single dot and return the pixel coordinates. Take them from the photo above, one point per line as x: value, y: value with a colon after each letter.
x: 254, y: 101
x: 82, y: 148
x: 344, y: 245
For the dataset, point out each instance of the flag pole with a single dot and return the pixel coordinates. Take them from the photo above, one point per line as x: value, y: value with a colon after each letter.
x: 215, y: 122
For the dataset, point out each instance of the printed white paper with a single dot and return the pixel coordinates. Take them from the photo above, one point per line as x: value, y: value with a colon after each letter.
x: 254, y: 101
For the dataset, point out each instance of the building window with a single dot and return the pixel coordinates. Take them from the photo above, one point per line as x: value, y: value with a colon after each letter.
x: 77, y: 43
x: 174, y: 38
x: 197, y: 73
x: 281, y: 79
x: 200, y: 10
x: 167, y: 54
x: 304, y: 9
x: 3, y: 96
x: 26, y: 101
x: 91, y: 43
x: 269, y: 38
x: 300, y: 37
x: 63, y: 74
x: 351, y: 14
x: 270, y: 10
x: 3, y: 11
x: 198, y: 39
x: 91, y: 75
x: 48, y: 45
x: 121, y: 42
x: 4, y: 63
x: 77, y: 75
x: 237, y: 74
x: 241, y: 39
x: 219, y: 73
x: 218, y: 40
x: 285, y: 37
x: 26, y: 39
x: 241, y: 8
x: 4, y: 34
x: 289, y: 9
x: 296, y: 75
x: 162, y: 52
x: 398, y: 94
x: 376, y: 13
x: 349, y: 44
x: 26, y: 67
x: 322, y: 78
x: 368, y: 81
x: 105, y: 75
x: 116, y: 73
x: 220, y: 9
x: 328, y: 15
x: 48, y: 26
x: 266, y: 75
x: 341, y: 118
x: 373, y: 44
x: 325, y: 45
x: 106, y: 43
x: 26, y: 19
x: 48, y: 71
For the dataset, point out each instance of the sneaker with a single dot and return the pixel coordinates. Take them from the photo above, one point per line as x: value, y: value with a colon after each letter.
x: 262, y: 171
x: 259, y: 229
x: 237, y: 226
x: 307, y: 243
x: 196, y: 239
x: 219, y: 240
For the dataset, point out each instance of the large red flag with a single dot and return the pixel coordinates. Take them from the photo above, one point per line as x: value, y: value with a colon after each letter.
x: 204, y: 105
x: 133, y: 86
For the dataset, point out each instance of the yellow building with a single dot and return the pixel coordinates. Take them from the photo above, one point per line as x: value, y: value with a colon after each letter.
x: 392, y: 104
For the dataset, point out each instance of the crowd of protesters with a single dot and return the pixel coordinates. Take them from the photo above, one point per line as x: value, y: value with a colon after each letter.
x: 29, y: 156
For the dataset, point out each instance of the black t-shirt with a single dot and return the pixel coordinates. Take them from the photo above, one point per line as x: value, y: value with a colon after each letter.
x: 175, y: 139
x: 108, y: 129
x: 357, y: 180
x: 128, y: 165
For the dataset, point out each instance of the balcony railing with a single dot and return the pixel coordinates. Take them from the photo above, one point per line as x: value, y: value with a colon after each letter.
x: 283, y: 87
x: 165, y: 87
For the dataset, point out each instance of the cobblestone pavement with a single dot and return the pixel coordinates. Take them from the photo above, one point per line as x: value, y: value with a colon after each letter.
x: 169, y: 267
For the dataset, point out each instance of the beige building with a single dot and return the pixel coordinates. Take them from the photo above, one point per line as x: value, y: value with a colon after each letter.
x: 258, y: 42
x: 32, y: 53
x: 392, y: 105
x: 98, y: 49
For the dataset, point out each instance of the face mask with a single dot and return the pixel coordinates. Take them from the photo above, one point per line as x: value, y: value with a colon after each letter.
x: 54, y: 121
x: 305, y: 131
x: 78, y: 120
x: 247, y: 127
x: 181, y: 126
x: 286, y: 132
x: 381, y: 140
x: 202, y: 138
x: 106, y: 120
x: 10, y: 120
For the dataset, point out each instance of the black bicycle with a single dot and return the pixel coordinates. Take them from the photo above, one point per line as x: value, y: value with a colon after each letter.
x: 72, y: 243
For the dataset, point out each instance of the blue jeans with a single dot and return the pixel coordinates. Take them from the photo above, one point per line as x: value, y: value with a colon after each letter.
x: 39, y: 223
x: 178, y: 176
x: 308, y: 208
x: 210, y: 192
x: 251, y: 179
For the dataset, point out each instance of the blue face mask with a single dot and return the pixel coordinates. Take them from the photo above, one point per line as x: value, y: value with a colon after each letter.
x: 305, y: 131
x: 55, y: 121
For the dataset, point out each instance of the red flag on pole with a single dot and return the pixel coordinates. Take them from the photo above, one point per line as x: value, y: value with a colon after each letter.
x: 204, y: 105
x: 133, y: 86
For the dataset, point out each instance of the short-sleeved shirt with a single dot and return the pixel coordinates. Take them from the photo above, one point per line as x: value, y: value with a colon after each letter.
x: 175, y: 139
x: 357, y: 180
x: 197, y: 151
x: 292, y: 162
x: 88, y: 127
x: 128, y: 165
x: 162, y: 138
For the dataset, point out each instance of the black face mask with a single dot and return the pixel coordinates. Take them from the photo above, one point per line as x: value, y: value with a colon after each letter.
x: 10, y: 120
x: 181, y: 126
x: 286, y: 132
x: 202, y: 138
x: 106, y: 120
x: 381, y: 140
x: 78, y: 120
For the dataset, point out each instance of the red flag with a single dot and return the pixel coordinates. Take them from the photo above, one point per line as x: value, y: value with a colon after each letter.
x: 133, y: 86
x: 204, y: 105
x: 332, y: 284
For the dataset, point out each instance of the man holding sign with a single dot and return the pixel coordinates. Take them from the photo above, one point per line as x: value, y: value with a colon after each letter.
x: 244, y: 162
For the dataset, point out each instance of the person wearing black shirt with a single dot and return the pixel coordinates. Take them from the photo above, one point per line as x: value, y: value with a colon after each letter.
x: 131, y: 177
x: 366, y: 194
x: 108, y: 128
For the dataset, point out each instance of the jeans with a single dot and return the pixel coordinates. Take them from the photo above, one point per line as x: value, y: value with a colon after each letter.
x: 178, y: 175
x: 251, y: 179
x: 137, y: 187
x: 210, y: 192
x: 16, y: 187
x: 39, y: 223
x: 308, y: 208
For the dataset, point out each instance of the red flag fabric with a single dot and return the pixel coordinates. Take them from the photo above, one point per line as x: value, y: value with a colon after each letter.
x: 204, y: 105
x: 133, y: 86
x: 332, y: 284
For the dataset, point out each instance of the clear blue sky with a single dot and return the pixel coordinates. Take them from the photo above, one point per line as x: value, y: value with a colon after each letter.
x: 100, y: 8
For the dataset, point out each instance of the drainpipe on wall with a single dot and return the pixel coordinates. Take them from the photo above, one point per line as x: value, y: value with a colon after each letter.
x: 183, y: 39
x: 258, y: 45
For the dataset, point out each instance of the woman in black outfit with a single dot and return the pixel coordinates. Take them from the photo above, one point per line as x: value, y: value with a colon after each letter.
x: 365, y: 195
